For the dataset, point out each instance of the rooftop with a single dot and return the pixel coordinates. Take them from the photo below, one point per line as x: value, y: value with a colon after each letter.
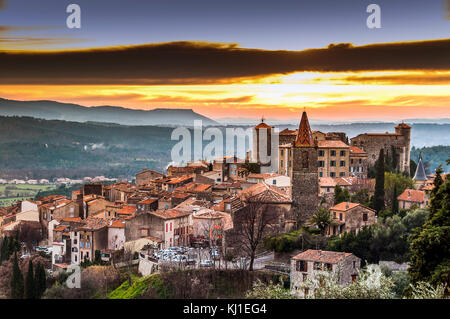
x: 412, y: 195
x: 323, y: 256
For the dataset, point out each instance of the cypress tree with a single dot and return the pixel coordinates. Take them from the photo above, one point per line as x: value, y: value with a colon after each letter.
x: 379, y: 184
x: 395, y: 201
x: 30, y: 283
x: 4, y: 250
x: 40, y: 280
x: 16, y: 284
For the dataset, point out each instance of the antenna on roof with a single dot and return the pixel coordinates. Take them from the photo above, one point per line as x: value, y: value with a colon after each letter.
x: 262, y: 119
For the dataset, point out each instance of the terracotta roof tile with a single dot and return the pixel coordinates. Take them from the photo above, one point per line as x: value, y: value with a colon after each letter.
x: 412, y: 195
x: 170, y: 213
x: 323, y: 256
x: 331, y: 143
x: 343, y: 206
x: 356, y: 150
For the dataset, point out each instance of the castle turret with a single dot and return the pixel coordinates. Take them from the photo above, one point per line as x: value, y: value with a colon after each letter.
x: 305, y: 180
x: 404, y: 130
x: 262, y: 146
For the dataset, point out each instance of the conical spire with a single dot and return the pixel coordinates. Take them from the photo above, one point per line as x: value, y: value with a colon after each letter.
x: 304, y: 135
x: 420, y: 174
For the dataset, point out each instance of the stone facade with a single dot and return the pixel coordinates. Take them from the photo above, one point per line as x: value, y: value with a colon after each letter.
x: 305, y: 182
x: 307, y: 267
x: 350, y: 217
x: 398, y: 142
x: 146, y: 176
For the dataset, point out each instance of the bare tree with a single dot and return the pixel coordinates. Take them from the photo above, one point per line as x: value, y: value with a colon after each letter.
x: 252, y: 223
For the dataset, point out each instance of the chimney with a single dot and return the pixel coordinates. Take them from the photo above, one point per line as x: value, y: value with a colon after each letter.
x: 409, y: 194
x: 347, y: 205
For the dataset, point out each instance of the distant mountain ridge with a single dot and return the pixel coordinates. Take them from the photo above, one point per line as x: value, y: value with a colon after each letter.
x: 52, y: 110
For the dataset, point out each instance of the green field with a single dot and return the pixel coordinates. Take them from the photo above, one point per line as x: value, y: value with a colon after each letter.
x: 11, y: 193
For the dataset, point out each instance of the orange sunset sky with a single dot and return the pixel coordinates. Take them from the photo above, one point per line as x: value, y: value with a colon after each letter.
x: 268, y: 60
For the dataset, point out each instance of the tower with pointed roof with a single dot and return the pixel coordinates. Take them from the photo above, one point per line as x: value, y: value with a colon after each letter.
x: 420, y: 177
x: 305, y: 180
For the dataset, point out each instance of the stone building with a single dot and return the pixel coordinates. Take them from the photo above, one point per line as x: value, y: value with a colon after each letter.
x: 412, y: 197
x: 333, y: 154
x: 359, y: 164
x: 307, y: 267
x: 145, y: 176
x: 305, y: 180
x: 350, y: 217
x: 262, y: 146
x: 394, y: 144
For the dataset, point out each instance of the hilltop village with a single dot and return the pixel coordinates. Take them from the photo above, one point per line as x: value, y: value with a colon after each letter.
x: 230, y: 208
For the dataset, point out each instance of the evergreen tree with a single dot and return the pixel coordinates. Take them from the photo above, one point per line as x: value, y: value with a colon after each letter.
x: 40, y: 280
x: 430, y: 244
x: 4, y: 250
x: 395, y: 201
x: 16, y: 285
x: 341, y: 195
x: 30, y: 289
x: 379, y: 184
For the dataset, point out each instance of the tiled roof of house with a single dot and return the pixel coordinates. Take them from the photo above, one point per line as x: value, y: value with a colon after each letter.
x: 356, y: 150
x: 331, y: 257
x: 265, y: 193
x: 412, y: 195
x: 263, y: 176
x: 170, y: 213
x: 148, y: 201
x: 180, y: 179
x: 327, y: 182
x: 194, y: 187
x: 60, y: 228
x: 344, y: 206
x: 331, y: 144
x: 127, y: 210
x: 72, y: 219
x: 116, y: 224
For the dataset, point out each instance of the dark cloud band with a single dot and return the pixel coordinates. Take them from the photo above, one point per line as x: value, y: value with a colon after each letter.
x: 198, y: 62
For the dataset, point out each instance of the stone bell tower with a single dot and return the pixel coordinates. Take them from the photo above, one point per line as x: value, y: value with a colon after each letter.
x: 305, y: 180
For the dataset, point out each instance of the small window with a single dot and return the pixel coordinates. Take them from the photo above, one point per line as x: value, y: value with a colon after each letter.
x: 340, y: 216
x: 342, y: 163
x: 317, y: 266
x: 333, y: 153
x: 282, y: 152
x: 332, y: 163
x: 320, y: 174
x: 332, y: 174
x: 365, y: 217
x: 274, y: 182
x: 342, y: 153
x: 342, y: 174
x: 321, y: 153
x: 301, y: 265
x: 354, y: 264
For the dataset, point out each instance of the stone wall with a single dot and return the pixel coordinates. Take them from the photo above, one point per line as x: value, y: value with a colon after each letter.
x: 305, y: 182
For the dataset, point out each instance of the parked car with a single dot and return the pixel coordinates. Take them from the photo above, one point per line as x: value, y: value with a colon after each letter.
x: 206, y: 263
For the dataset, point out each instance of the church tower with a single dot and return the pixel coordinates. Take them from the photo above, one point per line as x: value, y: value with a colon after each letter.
x: 305, y: 180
